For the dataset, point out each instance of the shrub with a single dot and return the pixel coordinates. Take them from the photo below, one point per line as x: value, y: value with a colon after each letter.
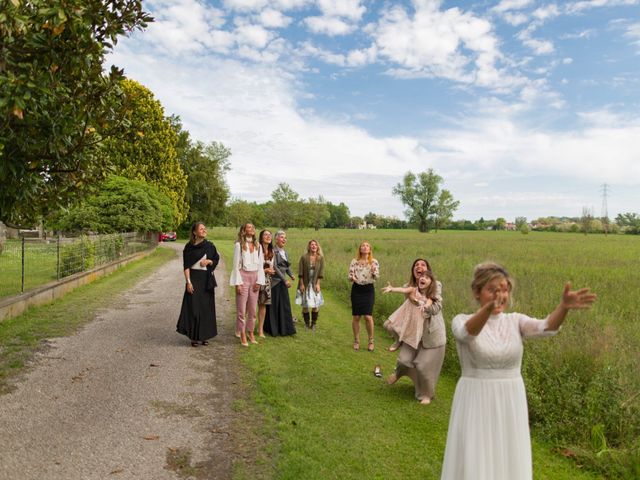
x: 77, y: 256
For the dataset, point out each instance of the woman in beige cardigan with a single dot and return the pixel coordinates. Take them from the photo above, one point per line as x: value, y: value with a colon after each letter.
x: 423, y: 364
x: 310, y: 272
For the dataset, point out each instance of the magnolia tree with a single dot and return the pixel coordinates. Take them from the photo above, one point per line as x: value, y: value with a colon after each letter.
x: 57, y: 103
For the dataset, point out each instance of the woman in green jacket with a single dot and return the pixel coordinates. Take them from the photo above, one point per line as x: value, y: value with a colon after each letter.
x: 310, y: 272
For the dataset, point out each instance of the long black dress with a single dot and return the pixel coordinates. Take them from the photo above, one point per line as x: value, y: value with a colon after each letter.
x: 278, y: 319
x: 198, y: 313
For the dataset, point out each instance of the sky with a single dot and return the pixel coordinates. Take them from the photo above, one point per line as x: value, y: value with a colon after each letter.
x: 523, y: 107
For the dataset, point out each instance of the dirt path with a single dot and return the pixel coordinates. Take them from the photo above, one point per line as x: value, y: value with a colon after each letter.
x: 127, y: 397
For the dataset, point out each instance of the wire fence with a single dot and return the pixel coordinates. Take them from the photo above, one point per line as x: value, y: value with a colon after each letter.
x: 29, y: 262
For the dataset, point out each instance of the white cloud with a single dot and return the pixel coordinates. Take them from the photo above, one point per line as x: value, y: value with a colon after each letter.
x: 633, y: 33
x: 506, y: 5
x: 451, y: 44
x: 539, y: 47
x: 271, y: 18
x: 581, y: 34
x: 183, y: 26
x: 567, y: 61
x: 253, y: 35
x: 515, y: 19
x: 546, y: 12
x: 351, y: 9
x: 581, y: 6
x: 331, y: 26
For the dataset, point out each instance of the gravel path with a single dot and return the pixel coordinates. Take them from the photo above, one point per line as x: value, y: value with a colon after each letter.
x: 127, y: 397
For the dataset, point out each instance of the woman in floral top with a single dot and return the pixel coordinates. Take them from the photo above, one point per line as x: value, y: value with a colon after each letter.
x: 363, y: 272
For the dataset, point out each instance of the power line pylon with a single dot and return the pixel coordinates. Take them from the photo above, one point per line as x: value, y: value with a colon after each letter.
x: 604, y: 211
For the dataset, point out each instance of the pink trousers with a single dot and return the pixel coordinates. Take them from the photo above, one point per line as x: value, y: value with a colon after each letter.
x: 246, y: 302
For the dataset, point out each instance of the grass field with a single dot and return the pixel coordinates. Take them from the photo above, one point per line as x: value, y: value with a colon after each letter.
x: 321, y: 413
x: 582, y: 385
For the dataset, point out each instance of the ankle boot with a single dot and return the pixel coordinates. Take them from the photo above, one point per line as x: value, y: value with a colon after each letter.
x: 305, y: 316
x: 314, y: 319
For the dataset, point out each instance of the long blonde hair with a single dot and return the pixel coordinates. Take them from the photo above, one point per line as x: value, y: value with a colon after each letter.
x: 369, y: 256
x: 242, y: 234
x: 319, y: 252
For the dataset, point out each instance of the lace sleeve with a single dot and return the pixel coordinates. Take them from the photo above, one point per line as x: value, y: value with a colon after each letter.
x: 459, y: 328
x: 533, y: 327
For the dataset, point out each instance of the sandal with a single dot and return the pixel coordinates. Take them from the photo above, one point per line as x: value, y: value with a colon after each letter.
x: 370, y: 347
x: 394, y: 346
x: 205, y: 343
x: 194, y: 344
x: 356, y: 345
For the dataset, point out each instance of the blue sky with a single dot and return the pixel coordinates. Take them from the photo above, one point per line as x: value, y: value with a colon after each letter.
x: 524, y: 107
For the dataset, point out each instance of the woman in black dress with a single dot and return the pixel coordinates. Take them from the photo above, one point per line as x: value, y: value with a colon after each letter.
x: 198, y: 314
x: 279, y: 320
x: 363, y: 272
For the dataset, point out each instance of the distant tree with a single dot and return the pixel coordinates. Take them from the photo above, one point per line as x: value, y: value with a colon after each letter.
x: 372, y: 219
x: 316, y: 213
x: 57, y: 102
x: 354, y: 222
x: 629, y: 222
x: 420, y: 193
x: 339, y: 216
x: 207, y: 190
x: 444, y: 208
x: 121, y: 205
x: 391, y: 222
x: 148, y: 151
x: 286, y: 207
x: 500, y: 224
x: 239, y: 212
x: 520, y: 221
x: 586, y: 220
x: 481, y: 224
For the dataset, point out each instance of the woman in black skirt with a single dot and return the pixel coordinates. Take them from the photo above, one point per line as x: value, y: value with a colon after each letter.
x: 198, y: 314
x: 279, y: 320
x: 363, y: 272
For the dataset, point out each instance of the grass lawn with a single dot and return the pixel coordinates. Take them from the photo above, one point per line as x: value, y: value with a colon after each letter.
x: 327, y: 416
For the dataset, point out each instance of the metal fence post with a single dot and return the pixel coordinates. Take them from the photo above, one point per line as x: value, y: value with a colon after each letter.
x: 22, y: 286
x: 58, y: 259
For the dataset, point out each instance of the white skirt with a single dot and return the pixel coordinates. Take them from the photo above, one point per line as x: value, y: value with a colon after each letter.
x: 488, y: 435
x: 309, y: 299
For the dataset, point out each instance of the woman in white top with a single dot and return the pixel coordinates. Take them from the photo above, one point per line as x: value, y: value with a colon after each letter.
x: 488, y: 435
x: 247, y: 275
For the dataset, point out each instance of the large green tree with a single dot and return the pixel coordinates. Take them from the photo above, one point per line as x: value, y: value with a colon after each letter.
x: 121, y: 205
x: 56, y: 101
x: 421, y: 194
x: 148, y: 150
x: 445, y: 207
x: 316, y: 213
x: 339, y: 215
x: 286, y: 207
x: 207, y: 189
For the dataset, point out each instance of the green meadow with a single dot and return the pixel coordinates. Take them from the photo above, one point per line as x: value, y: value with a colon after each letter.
x: 331, y: 418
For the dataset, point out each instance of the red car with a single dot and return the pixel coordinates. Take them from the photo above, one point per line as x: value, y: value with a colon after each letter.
x: 168, y: 237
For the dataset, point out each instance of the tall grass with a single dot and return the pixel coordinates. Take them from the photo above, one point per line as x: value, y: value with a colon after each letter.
x: 583, y: 385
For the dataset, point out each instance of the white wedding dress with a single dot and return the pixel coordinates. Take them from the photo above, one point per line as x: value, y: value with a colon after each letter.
x: 488, y: 436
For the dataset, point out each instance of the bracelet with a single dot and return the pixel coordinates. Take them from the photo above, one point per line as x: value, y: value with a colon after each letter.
x: 188, y: 280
